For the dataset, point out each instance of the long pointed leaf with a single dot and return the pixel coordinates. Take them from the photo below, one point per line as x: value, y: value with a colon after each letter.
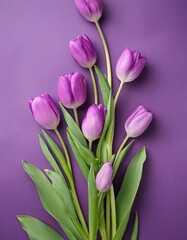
x: 84, y: 168
x: 58, y: 153
x: 73, y: 126
x: 85, y: 152
x: 120, y: 158
x: 135, y: 229
x: 38, y: 230
x: 60, y: 185
x: 51, y: 201
x: 48, y: 155
x: 127, y: 193
x: 104, y: 86
x: 101, y: 144
x: 62, y: 190
x: 93, y: 205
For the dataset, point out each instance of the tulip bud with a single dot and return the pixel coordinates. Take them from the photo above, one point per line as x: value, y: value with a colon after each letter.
x: 129, y: 65
x: 92, y: 124
x: 72, y: 90
x: 83, y: 51
x: 138, y: 122
x: 91, y: 10
x: 44, y: 111
x: 104, y: 177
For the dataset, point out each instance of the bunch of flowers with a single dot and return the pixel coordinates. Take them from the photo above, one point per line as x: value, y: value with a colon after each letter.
x: 108, y: 214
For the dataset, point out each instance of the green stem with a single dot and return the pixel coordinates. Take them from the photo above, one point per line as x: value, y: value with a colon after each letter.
x: 113, y: 210
x: 120, y: 148
x: 100, y: 195
x: 76, y: 116
x: 94, y: 86
x: 107, y: 55
x: 78, y: 209
x: 72, y: 185
x: 102, y: 224
x: 64, y: 147
x: 118, y: 93
x: 90, y: 145
x: 108, y: 214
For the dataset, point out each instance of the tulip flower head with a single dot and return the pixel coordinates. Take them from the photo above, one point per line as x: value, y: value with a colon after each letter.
x: 92, y: 124
x: 138, y: 122
x: 44, y: 111
x: 91, y: 10
x: 83, y: 51
x: 72, y: 90
x: 129, y: 65
x: 104, y: 177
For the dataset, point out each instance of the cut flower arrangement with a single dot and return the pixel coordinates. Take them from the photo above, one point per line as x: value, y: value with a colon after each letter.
x: 108, y: 214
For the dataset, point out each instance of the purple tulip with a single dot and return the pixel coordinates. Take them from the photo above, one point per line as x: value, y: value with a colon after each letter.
x: 72, y: 90
x: 138, y: 122
x: 104, y: 177
x: 44, y: 111
x: 129, y: 65
x: 83, y: 51
x: 92, y: 124
x: 91, y: 10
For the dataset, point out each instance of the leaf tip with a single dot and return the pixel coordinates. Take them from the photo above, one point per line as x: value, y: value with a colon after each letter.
x: 19, y: 218
x: 47, y: 171
x: 39, y: 135
x: 23, y: 163
x: 43, y: 131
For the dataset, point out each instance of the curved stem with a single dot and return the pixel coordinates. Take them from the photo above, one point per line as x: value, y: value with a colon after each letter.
x: 94, y: 86
x: 113, y: 210
x: 120, y: 148
x: 118, y: 93
x: 65, y: 148
x: 76, y: 116
x: 107, y: 55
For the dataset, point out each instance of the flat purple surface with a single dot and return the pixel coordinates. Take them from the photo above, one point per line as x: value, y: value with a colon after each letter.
x: 34, y: 38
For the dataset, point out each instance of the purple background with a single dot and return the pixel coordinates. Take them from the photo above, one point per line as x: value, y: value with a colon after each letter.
x: 34, y: 52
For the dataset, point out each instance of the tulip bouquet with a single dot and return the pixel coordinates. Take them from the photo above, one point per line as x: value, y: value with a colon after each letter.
x: 108, y: 213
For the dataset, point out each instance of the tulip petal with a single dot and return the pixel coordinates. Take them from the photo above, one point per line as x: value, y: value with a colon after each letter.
x: 64, y: 91
x: 44, y: 114
x: 52, y: 104
x: 78, y: 87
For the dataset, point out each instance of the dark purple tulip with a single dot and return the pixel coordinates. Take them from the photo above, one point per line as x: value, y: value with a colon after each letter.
x: 138, y: 122
x: 129, y: 65
x: 104, y: 177
x: 91, y: 10
x: 83, y: 51
x: 72, y: 90
x: 92, y: 124
x: 44, y: 111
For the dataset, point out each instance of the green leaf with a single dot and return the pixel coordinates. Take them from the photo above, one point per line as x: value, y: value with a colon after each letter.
x: 93, y: 205
x: 48, y: 155
x: 120, y: 158
x: 85, y: 152
x: 104, y: 86
x: 73, y: 126
x: 135, y: 229
x: 84, y: 168
x: 38, y: 230
x: 58, y: 153
x: 127, y: 193
x: 62, y: 190
x: 51, y: 202
x: 101, y: 152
